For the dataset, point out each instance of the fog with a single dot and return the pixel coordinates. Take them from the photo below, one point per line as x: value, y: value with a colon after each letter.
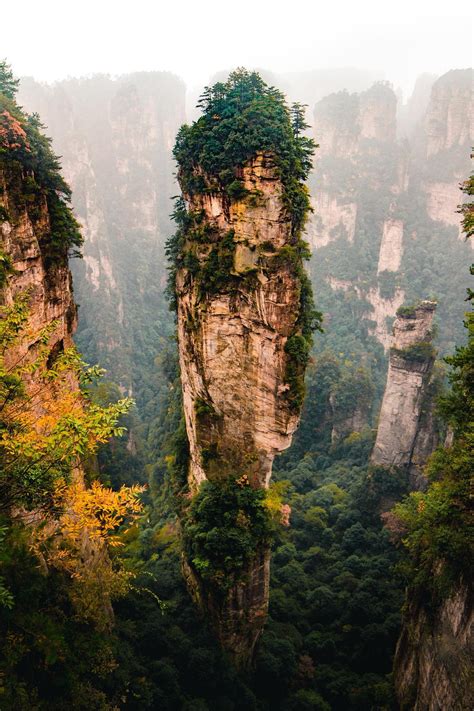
x: 55, y: 39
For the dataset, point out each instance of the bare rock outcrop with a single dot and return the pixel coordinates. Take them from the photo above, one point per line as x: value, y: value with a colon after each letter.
x: 391, y: 248
x: 442, y: 201
x: 238, y: 304
x: 25, y: 234
x: 433, y: 659
x: 401, y: 441
x: 449, y: 118
x: 232, y: 344
x: 332, y: 218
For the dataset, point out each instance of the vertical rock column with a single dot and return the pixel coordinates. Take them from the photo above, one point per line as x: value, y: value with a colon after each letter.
x: 37, y: 230
x: 406, y: 433
x: 25, y: 234
x: 238, y: 302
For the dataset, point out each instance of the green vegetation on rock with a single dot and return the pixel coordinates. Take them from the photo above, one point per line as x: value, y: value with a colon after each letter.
x: 241, y: 118
x: 416, y: 353
x: 32, y: 173
x: 225, y: 525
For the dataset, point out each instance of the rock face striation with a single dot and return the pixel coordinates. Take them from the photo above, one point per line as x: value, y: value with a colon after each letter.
x: 232, y: 343
x: 406, y: 434
x: 239, y: 407
x: 433, y: 659
x: 245, y: 317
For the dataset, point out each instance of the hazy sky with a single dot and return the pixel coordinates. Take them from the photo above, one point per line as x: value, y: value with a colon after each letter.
x: 51, y: 39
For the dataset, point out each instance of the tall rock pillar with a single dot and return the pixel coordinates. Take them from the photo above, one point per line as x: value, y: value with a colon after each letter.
x: 243, y: 304
x: 406, y: 433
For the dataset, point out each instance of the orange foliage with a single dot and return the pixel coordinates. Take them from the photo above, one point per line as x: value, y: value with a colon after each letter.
x: 77, y: 543
x: 12, y: 134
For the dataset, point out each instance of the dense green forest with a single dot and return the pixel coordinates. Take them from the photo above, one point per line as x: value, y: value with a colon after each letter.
x: 338, y: 573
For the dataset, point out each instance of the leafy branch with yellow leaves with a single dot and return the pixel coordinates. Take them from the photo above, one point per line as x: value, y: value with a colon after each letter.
x: 48, y: 429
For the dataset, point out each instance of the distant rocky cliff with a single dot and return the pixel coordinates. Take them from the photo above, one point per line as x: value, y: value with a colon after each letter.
x: 115, y: 137
x: 449, y: 117
x: 26, y: 238
x: 406, y: 433
x: 433, y: 660
x: 385, y: 224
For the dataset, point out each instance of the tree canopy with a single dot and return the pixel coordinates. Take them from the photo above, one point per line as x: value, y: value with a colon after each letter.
x: 241, y: 117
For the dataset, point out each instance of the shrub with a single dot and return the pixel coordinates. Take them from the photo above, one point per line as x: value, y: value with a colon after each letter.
x: 237, y: 190
x: 225, y: 525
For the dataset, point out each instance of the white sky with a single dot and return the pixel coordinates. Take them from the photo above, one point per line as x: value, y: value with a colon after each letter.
x: 52, y: 39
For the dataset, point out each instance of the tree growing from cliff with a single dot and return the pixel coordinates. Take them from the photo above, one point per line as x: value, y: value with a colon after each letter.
x: 467, y: 208
x: 33, y: 171
x: 241, y: 117
x: 46, y: 427
x: 248, y: 152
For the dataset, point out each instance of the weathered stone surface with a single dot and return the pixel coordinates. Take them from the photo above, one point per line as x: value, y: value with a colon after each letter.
x: 442, y: 201
x: 331, y: 219
x: 408, y: 379
x: 449, y: 119
x: 49, y: 284
x: 434, y: 655
x: 391, y: 248
x: 232, y: 358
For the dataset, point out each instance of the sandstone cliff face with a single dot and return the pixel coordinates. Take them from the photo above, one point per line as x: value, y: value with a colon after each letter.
x: 233, y: 370
x: 332, y: 218
x: 409, y: 373
x: 343, y: 120
x: 356, y: 133
x: 449, y: 133
x: 433, y: 659
x: 378, y: 113
x: 391, y: 247
x: 442, y: 200
x: 382, y: 308
x: 449, y: 117
x: 384, y: 205
x: 24, y: 236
